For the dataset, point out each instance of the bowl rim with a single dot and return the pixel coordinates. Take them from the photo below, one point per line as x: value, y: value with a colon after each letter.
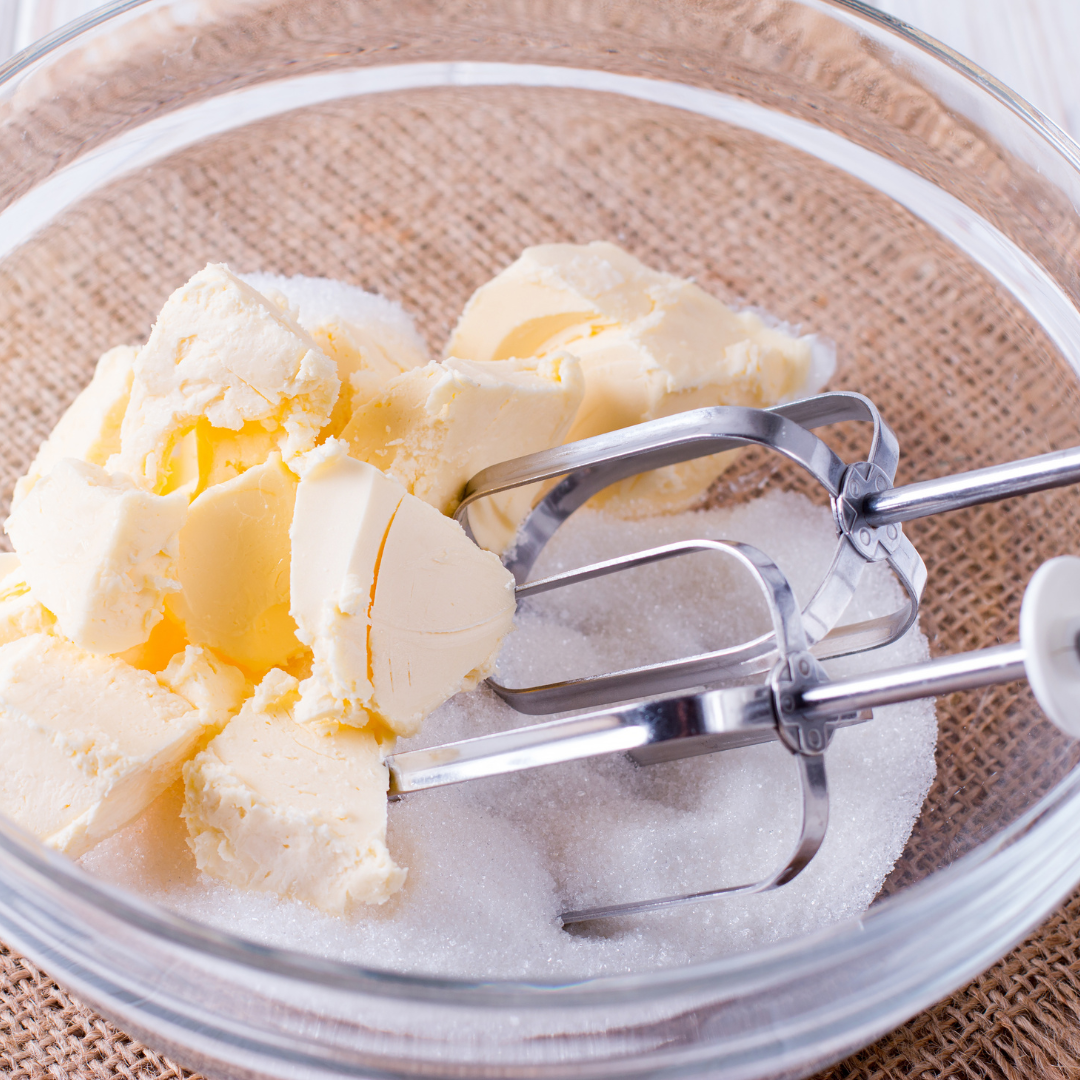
x: 887, y: 918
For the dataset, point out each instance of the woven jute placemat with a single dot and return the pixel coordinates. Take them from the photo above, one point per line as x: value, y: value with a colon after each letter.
x: 423, y: 196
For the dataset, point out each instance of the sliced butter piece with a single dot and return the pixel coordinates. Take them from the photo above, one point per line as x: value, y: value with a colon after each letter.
x: 233, y: 568
x: 207, y: 683
x: 400, y: 608
x: 551, y: 289
x: 370, y: 338
x: 222, y: 351
x: 207, y: 455
x: 89, y: 742
x: 651, y: 345
x: 690, y: 352
x: 281, y: 807
x: 98, y: 552
x: 442, y: 607
x: 21, y: 614
x: 435, y: 427
x: 90, y: 428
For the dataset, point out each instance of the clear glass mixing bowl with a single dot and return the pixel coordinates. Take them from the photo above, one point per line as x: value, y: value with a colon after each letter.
x: 814, y: 158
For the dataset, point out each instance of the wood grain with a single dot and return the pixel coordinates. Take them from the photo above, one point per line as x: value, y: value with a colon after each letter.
x: 1028, y: 44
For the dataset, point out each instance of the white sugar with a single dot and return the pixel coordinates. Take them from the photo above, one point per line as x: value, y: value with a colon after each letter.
x: 324, y: 300
x: 492, y: 862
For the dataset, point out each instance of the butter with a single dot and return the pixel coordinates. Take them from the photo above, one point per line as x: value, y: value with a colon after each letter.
x: 400, y: 608
x: 650, y: 345
x: 551, y: 289
x: 98, y: 552
x: 89, y: 742
x: 90, y: 428
x: 20, y: 612
x: 435, y: 427
x: 166, y: 639
x: 196, y: 523
x: 221, y: 351
x: 207, y: 683
x: 206, y: 455
x: 280, y: 807
x: 233, y: 568
x: 370, y: 338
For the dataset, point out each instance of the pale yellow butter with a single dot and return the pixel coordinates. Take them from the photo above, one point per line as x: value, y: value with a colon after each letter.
x: 98, y: 552
x: 342, y: 568
x: 206, y: 455
x: 89, y: 742
x: 400, y: 608
x: 221, y: 351
x: 21, y: 613
x: 550, y: 290
x: 435, y: 427
x: 650, y: 345
x: 370, y: 338
x: 282, y: 807
x: 233, y: 568
x: 208, y: 684
x: 90, y: 428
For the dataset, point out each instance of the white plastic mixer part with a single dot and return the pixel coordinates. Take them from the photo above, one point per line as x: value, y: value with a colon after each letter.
x: 1049, y: 630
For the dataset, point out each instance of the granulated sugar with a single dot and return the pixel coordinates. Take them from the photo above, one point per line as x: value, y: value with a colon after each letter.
x: 324, y: 300
x: 491, y: 863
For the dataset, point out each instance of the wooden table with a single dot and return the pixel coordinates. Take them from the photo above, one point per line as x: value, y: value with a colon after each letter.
x: 1029, y: 45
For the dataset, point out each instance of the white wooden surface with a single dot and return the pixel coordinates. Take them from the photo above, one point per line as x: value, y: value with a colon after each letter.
x: 1029, y: 45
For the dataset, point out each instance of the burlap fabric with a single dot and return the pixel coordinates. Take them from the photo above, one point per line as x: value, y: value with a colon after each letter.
x: 423, y: 197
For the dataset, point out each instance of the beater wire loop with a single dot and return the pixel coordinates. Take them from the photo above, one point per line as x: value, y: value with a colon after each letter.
x: 588, y: 466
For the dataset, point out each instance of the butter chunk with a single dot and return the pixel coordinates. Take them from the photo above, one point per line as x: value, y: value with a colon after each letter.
x: 550, y: 289
x: 690, y: 352
x: 435, y: 427
x: 650, y: 345
x: 90, y: 428
x: 98, y: 552
x: 400, y: 608
x: 21, y: 614
x: 233, y: 568
x: 207, y: 683
x: 89, y: 742
x: 281, y: 807
x: 222, y: 351
x: 206, y: 455
x: 370, y: 338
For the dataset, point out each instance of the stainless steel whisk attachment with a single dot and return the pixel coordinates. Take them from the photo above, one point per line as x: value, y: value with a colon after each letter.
x: 797, y: 705
x: 868, y: 512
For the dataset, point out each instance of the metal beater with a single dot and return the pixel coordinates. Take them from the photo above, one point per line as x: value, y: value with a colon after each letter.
x: 797, y: 705
x: 868, y: 513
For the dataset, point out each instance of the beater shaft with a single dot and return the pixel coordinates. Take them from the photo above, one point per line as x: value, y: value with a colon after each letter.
x: 698, y: 724
x: 944, y: 675
x: 927, y: 497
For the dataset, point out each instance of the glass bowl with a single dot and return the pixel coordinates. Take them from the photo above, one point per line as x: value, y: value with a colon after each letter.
x: 814, y: 158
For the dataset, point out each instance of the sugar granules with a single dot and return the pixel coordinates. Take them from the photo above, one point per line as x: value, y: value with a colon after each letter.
x: 492, y: 862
